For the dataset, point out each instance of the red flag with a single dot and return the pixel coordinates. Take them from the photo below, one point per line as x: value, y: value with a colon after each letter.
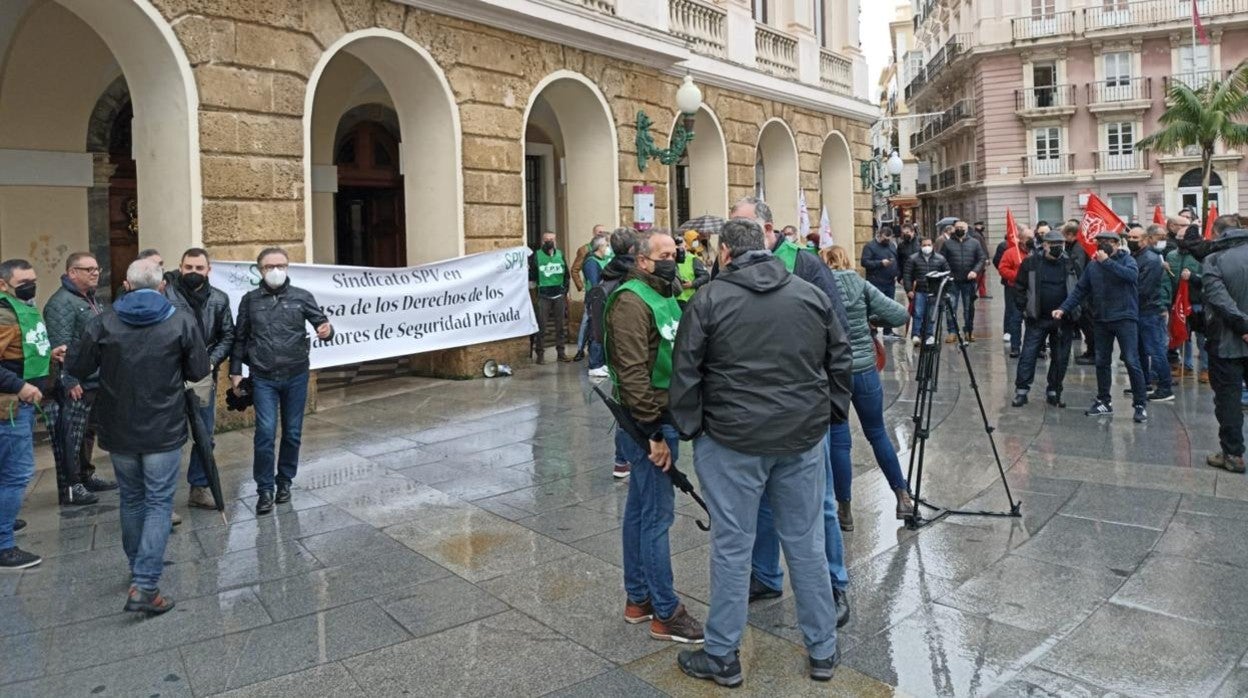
x: 1158, y: 217
x: 1097, y: 217
x: 1011, y: 230
x: 1200, y: 28
x: 1209, y: 219
x: 1178, y: 316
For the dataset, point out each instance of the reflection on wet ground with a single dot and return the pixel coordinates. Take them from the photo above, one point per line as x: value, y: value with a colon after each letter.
x: 462, y: 538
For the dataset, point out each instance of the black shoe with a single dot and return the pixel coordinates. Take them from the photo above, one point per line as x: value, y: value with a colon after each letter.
x: 283, y: 493
x: 1042, y: 356
x: 1055, y: 400
x: 822, y: 669
x: 77, y: 495
x: 1085, y: 360
x: 1019, y: 400
x: 150, y: 602
x: 1158, y: 396
x: 1014, y: 353
x: 264, y: 504
x: 1099, y: 408
x: 1141, y: 414
x: 725, y: 671
x: 98, y: 484
x: 762, y: 592
x: 842, y: 606
x: 580, y: 355
x: 18, y: 524
x: 17, y: 559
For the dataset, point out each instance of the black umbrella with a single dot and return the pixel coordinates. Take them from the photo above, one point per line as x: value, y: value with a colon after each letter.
x: 202, y: 439
x: 711, y: 225
x: 629, y: 425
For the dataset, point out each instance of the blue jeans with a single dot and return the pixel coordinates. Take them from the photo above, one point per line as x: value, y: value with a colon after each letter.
x: 868, y: 401
x: 291, y: 395
x: 146, y: 482
x: 597, y: 355
x: 195, y: 474
x: 964, y: 293
x: 17, y: 466
x: 621, y: 439
x: 1199, y: 340
x: 735, y: 485
x: 1127, y: 335
x: 582, y: 334
x: 1153, y: 342
x: 648, y: 514
x: 765, y: 562
x: 920, y: 323
x: 1013, y: 324
x: 1059, y: 335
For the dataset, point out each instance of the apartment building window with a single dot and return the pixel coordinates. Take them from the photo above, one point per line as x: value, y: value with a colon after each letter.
x: 1123, y: 205
x: 1117, y: 86
x: 1048, y: 157
x: 1195, y: 65
x: 1043, y: 9
x: 1120, y: 146
x: 760, y: 11
x: 1044, y: 83
x: 1051, y: 209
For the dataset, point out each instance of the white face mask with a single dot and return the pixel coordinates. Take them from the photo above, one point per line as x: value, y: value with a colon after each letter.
x: 275, y: 277
x: 927, y: 249
x: 791, y: 238
x: 1160, y: 245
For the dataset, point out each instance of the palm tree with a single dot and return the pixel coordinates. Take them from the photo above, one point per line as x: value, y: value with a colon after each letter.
x: 1201, y: 117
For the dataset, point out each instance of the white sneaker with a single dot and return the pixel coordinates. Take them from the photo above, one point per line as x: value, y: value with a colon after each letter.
x: 600, y: 372
x: 914, y: 341
x: 1005, y: 338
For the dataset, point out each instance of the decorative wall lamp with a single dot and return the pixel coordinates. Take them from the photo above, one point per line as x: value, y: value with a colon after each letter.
x: 689, y: 101
x: 873, y: 171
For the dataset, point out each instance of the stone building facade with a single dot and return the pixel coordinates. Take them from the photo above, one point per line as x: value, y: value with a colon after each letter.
x: 253, y: 120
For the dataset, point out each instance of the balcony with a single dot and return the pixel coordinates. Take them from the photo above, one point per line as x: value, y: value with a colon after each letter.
x: 937, y: 67
x: 775, y: 51
x: 952, y: 120
x: 1194, y: 79
x: 1050, y: 166
x: 1147, y: 13
x: 1122, y: 165
x: 1120, y: 94
x: 1043, y: 26
x: 703, y: 26
x: 606, y: 7
x: 966, y: 174
x: 1044, y: 101
x: 836, y: 72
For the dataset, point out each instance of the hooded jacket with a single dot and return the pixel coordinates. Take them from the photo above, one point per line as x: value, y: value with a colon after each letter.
x: 761, y: 363
x: 1225, y: 295
x: 144, y: 349
x: 866, y: 304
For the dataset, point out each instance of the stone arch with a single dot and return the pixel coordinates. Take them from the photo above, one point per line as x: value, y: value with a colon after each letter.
x: 707, y: 160
x: 836, y: 188
x: 777, y: 152
x: 61, y: 56
x: 589, y: 154
x: 429, y: 126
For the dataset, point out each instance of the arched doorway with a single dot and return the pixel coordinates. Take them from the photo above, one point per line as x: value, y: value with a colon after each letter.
x: 698, y: 184
x: 836, y: 188
x: 368, y: 208
x: 61, y: 57
x: 383, y: 179
x: 1191, y: 191
x: 776, y: 171
x: 571, y: 178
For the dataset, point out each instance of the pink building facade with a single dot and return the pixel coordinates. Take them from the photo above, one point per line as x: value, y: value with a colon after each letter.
x: 1035, y: 109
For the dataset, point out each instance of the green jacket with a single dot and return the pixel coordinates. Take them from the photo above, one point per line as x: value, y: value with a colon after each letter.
x: 865, y: 304
x: 1170, y: 280
x: 66, y: 315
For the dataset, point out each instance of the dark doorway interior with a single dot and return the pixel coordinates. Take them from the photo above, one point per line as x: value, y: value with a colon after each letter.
x: 123, y: 200
x: 368, y: 208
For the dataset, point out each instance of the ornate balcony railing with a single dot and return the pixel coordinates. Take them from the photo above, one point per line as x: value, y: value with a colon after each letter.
x: 836, y: 72
x: 1048, y: 165
x: 703, y: 26
x: 1135, y: 161
x: 1120, y: 90
x: 1194, y: 79
x: 603, y: 6
x: 1045, y: 97
x: 1045, y: 25
x: 1115, y: 15
x: 775, y: 51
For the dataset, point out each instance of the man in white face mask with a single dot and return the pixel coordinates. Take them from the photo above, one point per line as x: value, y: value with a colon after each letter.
x: 271, y: 338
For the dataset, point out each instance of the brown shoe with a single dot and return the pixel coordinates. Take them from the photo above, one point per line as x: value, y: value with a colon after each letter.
x: 905, y: 505
x: 1203, y: 377
x: 201, y: 498
x: 681, y: 627
x: 950, y: 339
x: 635, y: 613
x: 563, y: 358
x: 1235, y: 464
x: 844, y: 515
x: 970, y: 339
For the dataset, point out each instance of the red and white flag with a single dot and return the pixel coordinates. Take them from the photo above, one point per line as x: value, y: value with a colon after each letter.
x: 1097, y: 217
x: 1178, y: 315
x: 1198, y: 25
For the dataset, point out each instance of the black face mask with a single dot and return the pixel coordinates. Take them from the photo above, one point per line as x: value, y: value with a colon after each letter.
x: 680, y: 256
x: 959, y: 233
x: 1106, y: 247
x: 665, y: 269
x: 26, y: 291
x: 1133, y: 245
x: 193, y: 280
x: 548, y: 247
x: 1055, y: 251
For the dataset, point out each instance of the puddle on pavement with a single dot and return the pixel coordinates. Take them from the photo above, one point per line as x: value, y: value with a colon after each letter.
x: 464, y: 548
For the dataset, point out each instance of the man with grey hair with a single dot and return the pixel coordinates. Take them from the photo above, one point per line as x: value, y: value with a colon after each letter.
x: 727, y: 381
x: 144, y: 350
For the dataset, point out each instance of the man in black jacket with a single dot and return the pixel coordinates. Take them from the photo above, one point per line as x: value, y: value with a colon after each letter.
x: 880, y: 260
x: 1042, y: 283
x: 966, y: 259
x: 922, y: 263
x: 1225, y: 293
x: 272, y: 340
x: 727, y: 379
x: 145, y: 351
x: 907, y: 247
x: 1154, y: 335
x: 189, y: 290
x: 624, y: 246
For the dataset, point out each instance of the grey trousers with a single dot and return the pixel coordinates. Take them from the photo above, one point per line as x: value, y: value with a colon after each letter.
x: 552, y: 309
x: 733, y: 484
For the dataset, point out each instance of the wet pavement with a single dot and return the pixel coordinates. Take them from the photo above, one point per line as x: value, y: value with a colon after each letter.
x: 462, y: 538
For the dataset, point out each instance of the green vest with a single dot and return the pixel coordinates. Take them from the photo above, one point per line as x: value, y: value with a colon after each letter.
x: 602, y: 263
x: 666, y: 315
x: 685, y: 271
x: 36, y: 349
x: 550, y: 268
x: 787, y: 252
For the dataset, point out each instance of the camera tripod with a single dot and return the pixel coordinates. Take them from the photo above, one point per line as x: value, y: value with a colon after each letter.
x: 928, y: 378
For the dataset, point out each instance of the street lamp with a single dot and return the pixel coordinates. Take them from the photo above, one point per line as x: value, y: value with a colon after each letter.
x: 688, y: 101
x: 895, y: 165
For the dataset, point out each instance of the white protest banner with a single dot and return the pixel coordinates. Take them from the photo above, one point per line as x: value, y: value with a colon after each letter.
x: 379, y: 313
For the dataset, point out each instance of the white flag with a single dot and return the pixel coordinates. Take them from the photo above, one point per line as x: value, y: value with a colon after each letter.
x: 825, y: 230
x: 803, y: 215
